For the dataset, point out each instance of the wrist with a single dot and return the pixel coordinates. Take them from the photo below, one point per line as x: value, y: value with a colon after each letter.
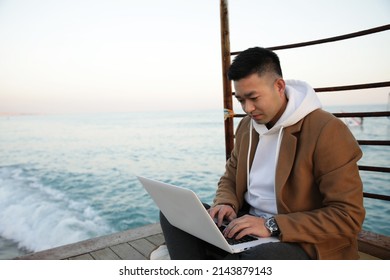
x: 272, y: 226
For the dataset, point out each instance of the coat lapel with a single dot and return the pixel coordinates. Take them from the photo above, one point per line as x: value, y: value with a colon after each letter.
x: 286, y: 159
x: 245, y: 142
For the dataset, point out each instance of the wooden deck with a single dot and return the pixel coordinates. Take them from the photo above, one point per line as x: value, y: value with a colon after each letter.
x: 137, y: 244
x: 133, y: 244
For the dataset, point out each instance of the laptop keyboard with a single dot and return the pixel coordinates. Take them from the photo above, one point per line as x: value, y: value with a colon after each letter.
x: 233, y: 241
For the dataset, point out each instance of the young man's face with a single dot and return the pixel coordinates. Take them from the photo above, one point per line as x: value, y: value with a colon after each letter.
x: 262, y: 98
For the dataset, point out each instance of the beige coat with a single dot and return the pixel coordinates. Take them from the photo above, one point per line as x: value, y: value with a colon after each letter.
x: 318, y: 189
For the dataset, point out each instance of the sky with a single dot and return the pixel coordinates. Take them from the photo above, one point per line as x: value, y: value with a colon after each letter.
x: 72, y: 56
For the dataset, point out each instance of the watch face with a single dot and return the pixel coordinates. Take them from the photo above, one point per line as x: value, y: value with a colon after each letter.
x: 271, y: 225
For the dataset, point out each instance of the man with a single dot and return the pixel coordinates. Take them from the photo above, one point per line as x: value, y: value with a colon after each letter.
x: 292, y: 173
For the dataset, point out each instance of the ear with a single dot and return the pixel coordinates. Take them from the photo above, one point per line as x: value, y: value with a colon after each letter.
x: 280, y: 86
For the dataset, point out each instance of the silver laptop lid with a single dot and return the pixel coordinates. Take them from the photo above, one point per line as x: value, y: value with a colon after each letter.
x: 184, y: 210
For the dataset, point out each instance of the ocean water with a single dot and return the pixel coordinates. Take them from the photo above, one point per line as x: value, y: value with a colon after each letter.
x: 66, y: 178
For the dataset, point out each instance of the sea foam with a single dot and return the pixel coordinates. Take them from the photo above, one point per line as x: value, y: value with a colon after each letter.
x: 38, y: 217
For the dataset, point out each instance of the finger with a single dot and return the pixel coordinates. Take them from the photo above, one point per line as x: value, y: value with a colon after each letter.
x: 212, y: 211
x: 237, y: 226
x: 244, y: 232
x: 233, y: 228
x: 221, y: 215
x: 215, y: 213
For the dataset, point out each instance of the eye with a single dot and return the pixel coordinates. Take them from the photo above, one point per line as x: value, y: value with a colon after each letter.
x: 240, y: 100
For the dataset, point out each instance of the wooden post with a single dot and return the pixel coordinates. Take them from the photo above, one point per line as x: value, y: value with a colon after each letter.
x: 227, y: 86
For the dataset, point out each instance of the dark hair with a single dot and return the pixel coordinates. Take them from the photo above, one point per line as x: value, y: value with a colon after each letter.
x: 254, y: 60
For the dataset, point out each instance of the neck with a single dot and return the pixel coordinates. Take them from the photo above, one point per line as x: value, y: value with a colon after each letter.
x: 270, y: 124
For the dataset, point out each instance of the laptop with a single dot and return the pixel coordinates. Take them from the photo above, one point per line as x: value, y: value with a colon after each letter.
x: 184, y: 210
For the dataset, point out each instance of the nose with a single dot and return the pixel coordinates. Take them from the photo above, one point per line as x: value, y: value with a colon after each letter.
x: 248, y: 106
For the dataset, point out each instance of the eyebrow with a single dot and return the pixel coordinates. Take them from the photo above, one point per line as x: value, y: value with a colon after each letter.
x: 246, y: 95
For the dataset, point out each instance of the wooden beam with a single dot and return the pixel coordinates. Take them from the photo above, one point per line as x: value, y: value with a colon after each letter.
x: 374, y: 244
x: 227, y: 86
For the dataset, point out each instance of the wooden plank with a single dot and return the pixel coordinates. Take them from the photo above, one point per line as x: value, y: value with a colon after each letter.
x: 105, y: 254
x: 157, y: 239
x: 94, y: 244
x: 87, y: 257
x: 127, y: 252
x: 143, y: 246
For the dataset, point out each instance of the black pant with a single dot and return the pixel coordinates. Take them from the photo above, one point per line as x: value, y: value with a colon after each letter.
x: 184, y: 246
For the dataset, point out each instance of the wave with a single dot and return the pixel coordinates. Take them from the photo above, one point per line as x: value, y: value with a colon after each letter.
x: 38, y: 217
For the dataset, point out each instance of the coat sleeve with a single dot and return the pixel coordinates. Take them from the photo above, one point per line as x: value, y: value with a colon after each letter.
x: 227, y: 186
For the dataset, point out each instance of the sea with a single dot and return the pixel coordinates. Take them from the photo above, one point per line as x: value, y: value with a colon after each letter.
x: 67, y: 178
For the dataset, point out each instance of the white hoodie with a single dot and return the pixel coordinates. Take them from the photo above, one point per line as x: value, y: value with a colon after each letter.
x: 302, y: 100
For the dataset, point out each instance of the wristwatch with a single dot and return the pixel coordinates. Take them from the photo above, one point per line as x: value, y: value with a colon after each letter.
x: 272, y: 226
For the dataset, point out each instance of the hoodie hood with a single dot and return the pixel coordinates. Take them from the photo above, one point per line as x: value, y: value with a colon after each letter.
x: 302, y: 100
